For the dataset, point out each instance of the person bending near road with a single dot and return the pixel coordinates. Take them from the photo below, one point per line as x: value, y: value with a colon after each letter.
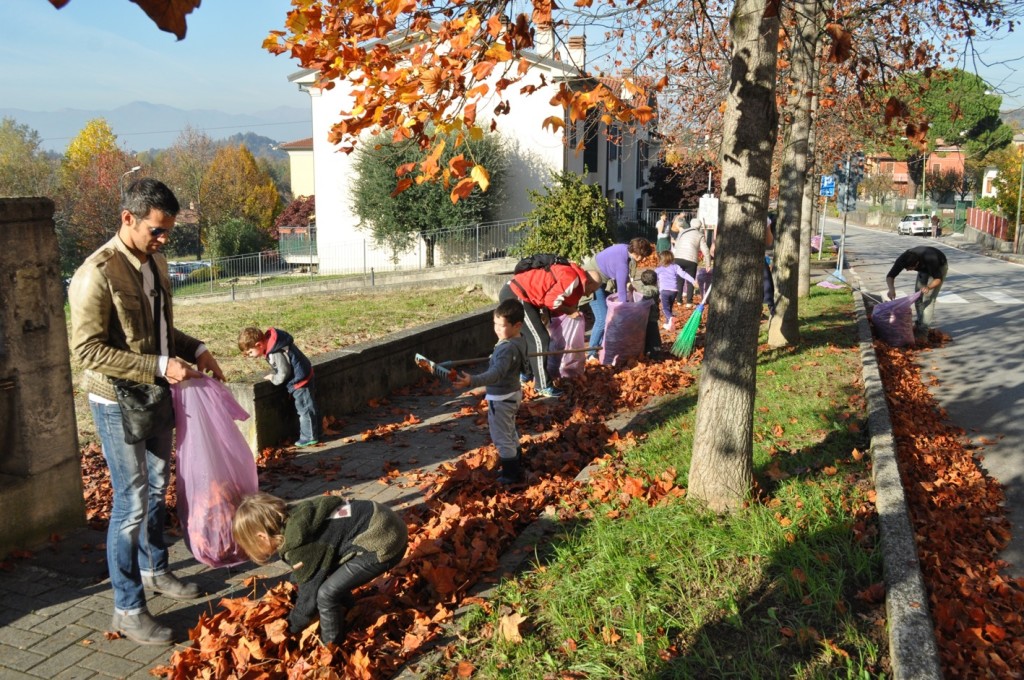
x: 931, y: 267
x: 122, y: 326
x: 546, y: 292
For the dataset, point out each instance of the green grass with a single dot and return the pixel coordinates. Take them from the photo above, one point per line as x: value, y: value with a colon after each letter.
x: 320, y: 323
x: 675, y: 592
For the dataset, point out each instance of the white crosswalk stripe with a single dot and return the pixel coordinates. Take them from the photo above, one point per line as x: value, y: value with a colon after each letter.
x: 944, y: 298
x: 998, y: 297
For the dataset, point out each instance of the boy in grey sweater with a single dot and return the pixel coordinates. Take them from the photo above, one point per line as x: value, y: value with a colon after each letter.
x: 504, y: 392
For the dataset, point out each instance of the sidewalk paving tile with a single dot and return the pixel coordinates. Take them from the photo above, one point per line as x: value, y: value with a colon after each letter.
x: 19, y: 659
x: 108, y: 664
x: 62, y: 660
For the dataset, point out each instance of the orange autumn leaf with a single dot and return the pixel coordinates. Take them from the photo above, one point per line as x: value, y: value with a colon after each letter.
x: 463, y: 189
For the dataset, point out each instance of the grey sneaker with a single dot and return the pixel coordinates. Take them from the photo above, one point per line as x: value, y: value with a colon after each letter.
x: 169, y: 585
x: 142, y: 628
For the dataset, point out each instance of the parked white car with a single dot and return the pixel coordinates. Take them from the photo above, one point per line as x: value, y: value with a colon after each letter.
x: 916, y: 224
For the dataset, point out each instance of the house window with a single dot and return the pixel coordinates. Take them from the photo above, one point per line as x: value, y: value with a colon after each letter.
x: 590, y: 142
x: 641, y: 162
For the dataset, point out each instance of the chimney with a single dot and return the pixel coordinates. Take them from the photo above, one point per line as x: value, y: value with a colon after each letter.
x: 544, y: 39
x: 578, y: 51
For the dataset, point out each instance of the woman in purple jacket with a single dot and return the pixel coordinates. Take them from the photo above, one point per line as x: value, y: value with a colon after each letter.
x: 613, y: 264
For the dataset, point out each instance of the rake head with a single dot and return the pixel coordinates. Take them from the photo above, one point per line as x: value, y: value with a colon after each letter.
x: 439, y: 370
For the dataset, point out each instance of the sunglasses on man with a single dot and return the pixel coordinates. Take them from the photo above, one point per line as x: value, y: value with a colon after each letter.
x: 157, y: 232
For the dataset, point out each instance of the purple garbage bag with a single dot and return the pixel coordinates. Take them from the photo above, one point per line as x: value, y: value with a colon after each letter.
x: 215, y: 468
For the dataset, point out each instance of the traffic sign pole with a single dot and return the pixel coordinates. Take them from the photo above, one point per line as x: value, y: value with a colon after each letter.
x: 821, y: 228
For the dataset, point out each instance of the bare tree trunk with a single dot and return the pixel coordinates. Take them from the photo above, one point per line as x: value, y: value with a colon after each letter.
x: 808, y: 214
x: 721, y: 469
x: 784, y: 326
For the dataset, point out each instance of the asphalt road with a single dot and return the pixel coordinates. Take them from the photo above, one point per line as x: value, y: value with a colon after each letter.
x: 981, y: 372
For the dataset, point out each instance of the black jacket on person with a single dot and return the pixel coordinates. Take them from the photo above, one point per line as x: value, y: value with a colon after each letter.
x: 930, y: 260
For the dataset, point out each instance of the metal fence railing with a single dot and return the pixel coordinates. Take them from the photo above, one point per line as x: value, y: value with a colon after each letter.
x: 302, y: 257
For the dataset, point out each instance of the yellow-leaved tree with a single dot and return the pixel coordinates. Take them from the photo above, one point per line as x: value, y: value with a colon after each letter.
x: 88, y: 199
x: 236, y: 188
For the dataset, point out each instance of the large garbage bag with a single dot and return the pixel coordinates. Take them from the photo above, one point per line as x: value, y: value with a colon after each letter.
x: 215, y: 468
x: 625, y: 330
x: 894, y: 320
x: 567, y: 333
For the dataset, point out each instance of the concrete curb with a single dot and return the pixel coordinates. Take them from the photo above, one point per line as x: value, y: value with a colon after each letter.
x: 912, y: 648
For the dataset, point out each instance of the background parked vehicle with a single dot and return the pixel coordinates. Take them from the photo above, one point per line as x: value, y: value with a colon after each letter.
x: 915, y: 224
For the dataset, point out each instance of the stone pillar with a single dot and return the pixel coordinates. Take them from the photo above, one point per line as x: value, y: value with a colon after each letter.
x: 40, y: 469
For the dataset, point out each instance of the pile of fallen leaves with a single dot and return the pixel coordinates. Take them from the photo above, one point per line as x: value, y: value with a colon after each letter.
x: 961, y: 527
x: 455, y: 537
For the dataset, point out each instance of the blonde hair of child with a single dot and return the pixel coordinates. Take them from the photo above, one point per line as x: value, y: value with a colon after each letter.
x: 665, y: 258
x: 260, y: 513
x: 248, y: 338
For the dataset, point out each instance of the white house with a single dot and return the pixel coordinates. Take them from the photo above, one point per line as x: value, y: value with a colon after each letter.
x: 616, y: 159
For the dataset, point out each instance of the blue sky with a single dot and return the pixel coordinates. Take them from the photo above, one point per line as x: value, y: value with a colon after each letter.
x: 100, y: 54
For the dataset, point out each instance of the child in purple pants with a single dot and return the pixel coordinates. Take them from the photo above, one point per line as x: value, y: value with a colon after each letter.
x: 668, y: 271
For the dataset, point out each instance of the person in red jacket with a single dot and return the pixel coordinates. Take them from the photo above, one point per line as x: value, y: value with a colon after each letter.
x: 546, y: 292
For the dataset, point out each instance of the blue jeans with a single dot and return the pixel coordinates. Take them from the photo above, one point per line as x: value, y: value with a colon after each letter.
x: 309, y: 416
x: 139, y: 474
x: 599, y: 306
x: 667, y: 298
x: 769, y: 288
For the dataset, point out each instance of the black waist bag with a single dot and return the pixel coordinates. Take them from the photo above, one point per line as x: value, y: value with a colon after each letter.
x: 145, y: 408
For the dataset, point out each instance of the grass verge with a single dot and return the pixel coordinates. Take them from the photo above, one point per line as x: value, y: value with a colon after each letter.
x: 789, y: 587
x: 320, y: 323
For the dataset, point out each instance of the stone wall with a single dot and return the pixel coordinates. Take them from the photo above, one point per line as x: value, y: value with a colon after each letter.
x: 40, y: 472
x: 346, y: 379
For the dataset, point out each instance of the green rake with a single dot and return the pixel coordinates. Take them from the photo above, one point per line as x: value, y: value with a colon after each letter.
x: 683, y: 346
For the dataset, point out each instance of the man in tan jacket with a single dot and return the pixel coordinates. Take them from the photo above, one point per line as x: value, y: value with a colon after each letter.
x: 122, y: 326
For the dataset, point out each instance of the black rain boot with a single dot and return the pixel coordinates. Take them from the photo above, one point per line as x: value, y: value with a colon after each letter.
x: 511, y: 469
x: 332, y: 626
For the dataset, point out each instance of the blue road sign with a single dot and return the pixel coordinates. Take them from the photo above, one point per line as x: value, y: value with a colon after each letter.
x: 828, y: 185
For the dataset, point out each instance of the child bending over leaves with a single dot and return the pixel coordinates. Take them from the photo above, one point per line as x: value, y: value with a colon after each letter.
x: 332, y: 545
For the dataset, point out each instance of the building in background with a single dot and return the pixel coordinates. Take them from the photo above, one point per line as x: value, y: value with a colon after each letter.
x: 614, y: 157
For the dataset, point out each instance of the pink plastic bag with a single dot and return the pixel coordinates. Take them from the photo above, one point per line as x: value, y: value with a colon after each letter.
x: 625, y: 329
x: 567, y: 333
x: 215, y: 468
x: 894, y: 320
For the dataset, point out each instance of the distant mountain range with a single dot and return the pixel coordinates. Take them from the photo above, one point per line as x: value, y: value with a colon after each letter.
x: 141, y: 125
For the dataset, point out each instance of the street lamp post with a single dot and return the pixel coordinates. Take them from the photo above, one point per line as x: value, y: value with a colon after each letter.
x: 120, y: 184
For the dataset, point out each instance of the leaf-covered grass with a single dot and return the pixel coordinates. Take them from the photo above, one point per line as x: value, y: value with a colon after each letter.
x: 781, y: 589
x: 320, y: 323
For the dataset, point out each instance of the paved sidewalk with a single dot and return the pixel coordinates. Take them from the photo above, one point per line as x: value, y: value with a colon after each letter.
x: 57, y: 604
